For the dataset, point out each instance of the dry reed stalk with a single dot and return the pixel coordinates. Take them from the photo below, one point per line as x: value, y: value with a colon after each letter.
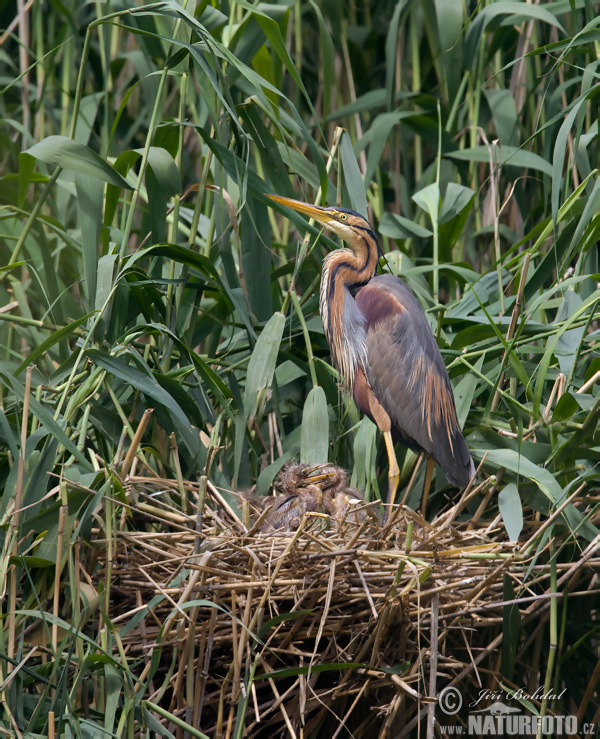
x: 205, y: 650
x: 14, y: 524
x: 178, y: 473
x: 133, y: 451
x: 184, y: 640
x: 590, y: 383
x: 189, y: 669
x: 63, y: 514
x: 588, y: 694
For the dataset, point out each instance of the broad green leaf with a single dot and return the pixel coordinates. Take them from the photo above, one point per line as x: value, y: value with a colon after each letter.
x: 370, y: 101
x: 456, y: 200
x: 364, y: 474
x: 504, y: 113
x: 589, y: 215
x: 519, y: 12
x: 479, y: 294
x: 570, y: 404
x: 543, y: 300
x: 89, y: 205
x: 511, y: 508
x: 266, y: 144
x: 579, y: 444
x: 9, y: 437
x: 69, y: 154
x: 522, y: 466
x: 273, y: 33
x: 51, y: 618
x: 568, y: 342
x: 288, y: 372
x: 391, y: 44
x: 305, y: 169
x: 164, y: 168
x: 314, y: 438
x: 262, y: 365
x: 507, y: 155
x: 88, y: 112
x: 113, y: 685
x: 429, y: 200
x: 448, y: 19
x: 398, y: 227
x: 26, y: 173
x: 256, y: 257
x: 157, y: 206
x: 152, y: 723
x: 352, y: 177
x: 31, y: 562
x: 105, y: 271
x: 545, y: 481
x: 558, y: 156
x: 122, y: 164
x: 454, y: 213
x: 464, y: 392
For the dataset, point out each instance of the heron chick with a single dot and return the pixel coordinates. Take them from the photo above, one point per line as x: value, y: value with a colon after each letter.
x: 302, y: 488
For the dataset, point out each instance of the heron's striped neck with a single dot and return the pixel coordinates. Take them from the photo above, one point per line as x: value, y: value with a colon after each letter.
x: 342, y: 321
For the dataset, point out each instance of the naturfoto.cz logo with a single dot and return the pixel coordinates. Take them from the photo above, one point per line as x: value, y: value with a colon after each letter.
x: 498, y: 719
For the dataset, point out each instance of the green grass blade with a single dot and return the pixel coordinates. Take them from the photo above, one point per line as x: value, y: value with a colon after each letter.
x: 314, y: 444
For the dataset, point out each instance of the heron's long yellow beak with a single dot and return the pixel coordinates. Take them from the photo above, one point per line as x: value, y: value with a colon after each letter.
x: 313, y: 211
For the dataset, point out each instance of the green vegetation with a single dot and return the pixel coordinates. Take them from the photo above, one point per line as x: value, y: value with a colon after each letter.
x: 141, y: 267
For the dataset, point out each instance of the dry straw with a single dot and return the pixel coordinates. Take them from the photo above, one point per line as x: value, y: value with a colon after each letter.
x: 340, y: 627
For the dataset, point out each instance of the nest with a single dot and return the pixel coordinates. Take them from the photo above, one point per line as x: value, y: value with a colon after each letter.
x: 310, y: 616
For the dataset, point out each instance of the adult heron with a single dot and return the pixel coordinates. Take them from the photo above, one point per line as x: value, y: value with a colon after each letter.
x: 384, y: 349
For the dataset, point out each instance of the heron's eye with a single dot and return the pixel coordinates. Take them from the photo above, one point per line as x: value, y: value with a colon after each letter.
x: 343, y: 217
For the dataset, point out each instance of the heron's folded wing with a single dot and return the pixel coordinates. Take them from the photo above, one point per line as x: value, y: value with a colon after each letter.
x: 408, y: 376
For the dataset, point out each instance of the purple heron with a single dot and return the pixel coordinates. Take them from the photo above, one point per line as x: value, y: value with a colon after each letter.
x: 385, y: 351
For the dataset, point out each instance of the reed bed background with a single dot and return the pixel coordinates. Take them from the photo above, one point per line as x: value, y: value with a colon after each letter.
x: 161, y: 355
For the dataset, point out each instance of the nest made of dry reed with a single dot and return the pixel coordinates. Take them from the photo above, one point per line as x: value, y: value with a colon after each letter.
x: 328, y: 623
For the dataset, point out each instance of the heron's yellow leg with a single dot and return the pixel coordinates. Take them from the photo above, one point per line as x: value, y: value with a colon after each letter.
x: 427, y: 483
x: 393, y: 469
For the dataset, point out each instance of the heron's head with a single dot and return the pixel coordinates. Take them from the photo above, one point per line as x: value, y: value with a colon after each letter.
x: 344, y: 222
